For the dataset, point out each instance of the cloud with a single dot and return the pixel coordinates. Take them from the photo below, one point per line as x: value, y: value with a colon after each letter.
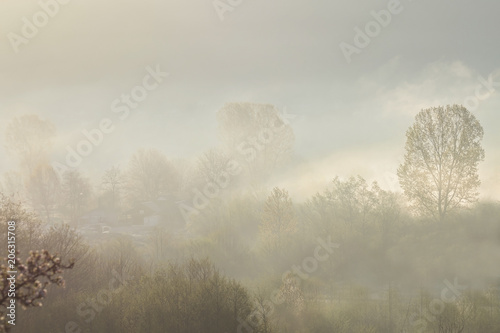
x: 282, y: 52
x: 438, y: 83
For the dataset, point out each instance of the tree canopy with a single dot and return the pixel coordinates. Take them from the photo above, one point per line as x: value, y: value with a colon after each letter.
x: 440, y: 169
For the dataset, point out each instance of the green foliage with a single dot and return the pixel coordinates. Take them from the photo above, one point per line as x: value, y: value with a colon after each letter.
x: 194, y: 297
x: 440, y: 169
x: 352, y: 206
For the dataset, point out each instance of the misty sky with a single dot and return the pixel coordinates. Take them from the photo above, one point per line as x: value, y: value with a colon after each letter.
x: 351, y: 118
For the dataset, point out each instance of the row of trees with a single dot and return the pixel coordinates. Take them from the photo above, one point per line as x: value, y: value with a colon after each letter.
x: 149, y: 176
x: 439, y: 173
x: 192, y: 297
x: 258, y: 236
x: 380, y: 246
x: 252, y: 134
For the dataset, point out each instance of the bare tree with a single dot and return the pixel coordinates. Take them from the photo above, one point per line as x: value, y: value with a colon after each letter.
x: 112, y: 184
x: 262, y: 315
x: 150, y: 175
x: 278, y: 223
x: 64, y: 241
x: 353, y: 201
x: 212, y: 165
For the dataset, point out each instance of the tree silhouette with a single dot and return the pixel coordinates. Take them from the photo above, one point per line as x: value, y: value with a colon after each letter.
x: 278, y: 221
x: 443, y: 149
x: 29, y: 138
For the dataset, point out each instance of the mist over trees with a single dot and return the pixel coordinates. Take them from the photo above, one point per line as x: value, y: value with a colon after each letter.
x: 214, y: 243
x: 278, y: 225
x: 258, y: 135
x: 149, y: 176
x: 29, y: 139
x: 44, y: 189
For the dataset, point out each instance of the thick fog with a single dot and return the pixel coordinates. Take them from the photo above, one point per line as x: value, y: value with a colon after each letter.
x: 117, y: 117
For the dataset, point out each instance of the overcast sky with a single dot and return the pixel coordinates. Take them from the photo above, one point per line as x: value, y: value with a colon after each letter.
x: 351, y: 116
